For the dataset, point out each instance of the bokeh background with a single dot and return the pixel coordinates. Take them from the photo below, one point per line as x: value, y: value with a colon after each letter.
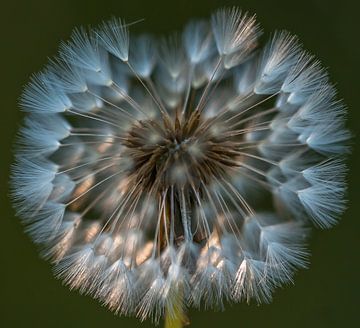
x: 326, y: 295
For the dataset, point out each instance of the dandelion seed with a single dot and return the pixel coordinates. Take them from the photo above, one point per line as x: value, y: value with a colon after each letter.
x: 187, y: 172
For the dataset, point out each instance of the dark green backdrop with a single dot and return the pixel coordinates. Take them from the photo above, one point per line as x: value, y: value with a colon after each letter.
x: 326, y: 295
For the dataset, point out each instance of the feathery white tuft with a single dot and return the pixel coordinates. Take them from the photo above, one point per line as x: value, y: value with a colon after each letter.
x: 278, y: 58
x: 114, y: 36
x: 235, y: 34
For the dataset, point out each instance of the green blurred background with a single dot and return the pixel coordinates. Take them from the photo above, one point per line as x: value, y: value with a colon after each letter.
x: 326, y: 295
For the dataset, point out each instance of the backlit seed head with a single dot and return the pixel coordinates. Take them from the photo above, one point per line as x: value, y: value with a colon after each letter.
x: 157, y: 175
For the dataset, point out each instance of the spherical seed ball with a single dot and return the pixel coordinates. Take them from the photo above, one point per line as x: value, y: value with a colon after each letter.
x: 158, y: 174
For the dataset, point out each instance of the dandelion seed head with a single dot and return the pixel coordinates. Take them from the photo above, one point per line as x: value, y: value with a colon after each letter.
x: 186, y: 171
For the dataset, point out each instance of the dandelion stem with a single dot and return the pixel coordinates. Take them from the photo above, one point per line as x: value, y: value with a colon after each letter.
x: 176, y: 318
x: 173, y: 322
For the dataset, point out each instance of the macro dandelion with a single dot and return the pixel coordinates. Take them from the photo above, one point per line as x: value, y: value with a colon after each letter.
x: 186, y: 171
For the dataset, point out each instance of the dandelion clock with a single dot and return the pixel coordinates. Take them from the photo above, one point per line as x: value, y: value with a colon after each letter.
x: 162, y: 174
